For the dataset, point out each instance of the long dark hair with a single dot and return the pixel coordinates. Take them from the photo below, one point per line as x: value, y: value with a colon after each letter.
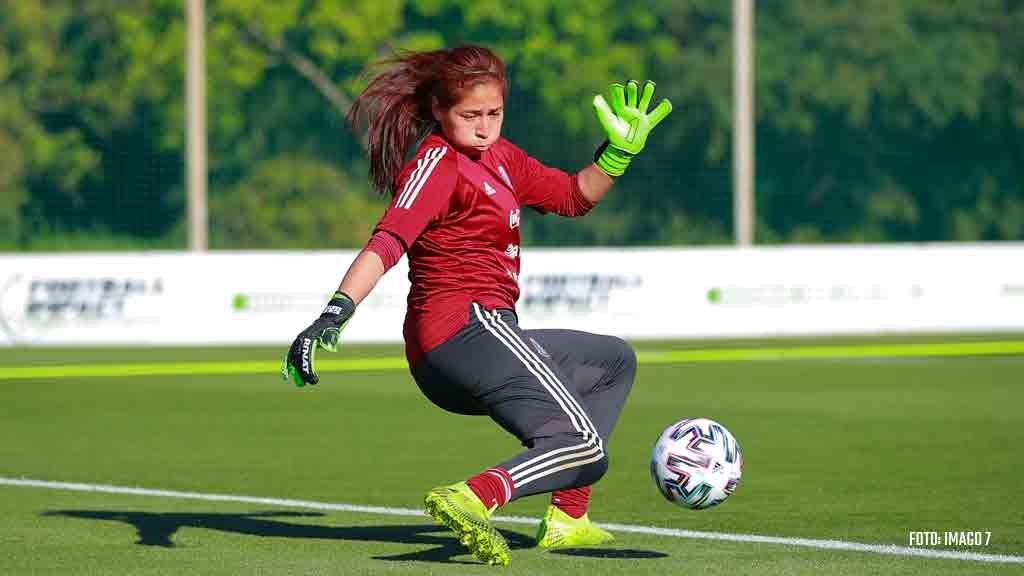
x: 396, y: 104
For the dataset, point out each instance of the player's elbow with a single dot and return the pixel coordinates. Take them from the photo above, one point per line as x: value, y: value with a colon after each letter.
x: 579, y: 202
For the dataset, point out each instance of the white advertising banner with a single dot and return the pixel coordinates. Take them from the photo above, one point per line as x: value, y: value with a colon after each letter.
x: 183, y: 298
x: 267, y: 297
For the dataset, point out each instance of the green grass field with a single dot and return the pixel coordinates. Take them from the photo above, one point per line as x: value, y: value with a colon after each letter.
x: 858, y: 450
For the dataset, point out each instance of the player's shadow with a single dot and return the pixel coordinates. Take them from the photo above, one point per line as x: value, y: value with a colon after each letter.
x: 157, y: 529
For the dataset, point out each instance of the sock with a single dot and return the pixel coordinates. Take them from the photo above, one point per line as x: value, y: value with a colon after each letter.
x: 493, y: 487
x: 573, y: 501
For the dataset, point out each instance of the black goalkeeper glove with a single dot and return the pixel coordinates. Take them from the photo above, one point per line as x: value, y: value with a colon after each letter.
x: 322, y: 333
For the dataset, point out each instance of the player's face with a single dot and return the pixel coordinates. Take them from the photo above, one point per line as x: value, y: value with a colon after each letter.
x: 473, y: 124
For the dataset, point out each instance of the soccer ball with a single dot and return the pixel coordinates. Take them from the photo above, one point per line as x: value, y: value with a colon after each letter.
x: 696, y: 463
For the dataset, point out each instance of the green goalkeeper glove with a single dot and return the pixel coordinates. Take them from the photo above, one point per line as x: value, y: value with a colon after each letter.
x: 627, y: 124
x: 323, y: 333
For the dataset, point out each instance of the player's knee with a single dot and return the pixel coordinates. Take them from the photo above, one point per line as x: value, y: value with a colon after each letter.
x: 593, y: 471
x: 627, y: 359
x: 560, y: 432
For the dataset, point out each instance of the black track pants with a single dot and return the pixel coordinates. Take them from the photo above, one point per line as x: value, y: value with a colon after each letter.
x: 560, y: 392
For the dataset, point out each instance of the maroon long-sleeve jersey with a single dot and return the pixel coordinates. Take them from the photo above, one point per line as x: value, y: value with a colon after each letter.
x: 458, y: 220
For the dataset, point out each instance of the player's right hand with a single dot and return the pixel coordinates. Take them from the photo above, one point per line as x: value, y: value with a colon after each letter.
x: 324, y: 332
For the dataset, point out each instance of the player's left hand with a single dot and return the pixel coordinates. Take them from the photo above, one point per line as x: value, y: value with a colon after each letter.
x: 324, y: 333
x: 627, y: 123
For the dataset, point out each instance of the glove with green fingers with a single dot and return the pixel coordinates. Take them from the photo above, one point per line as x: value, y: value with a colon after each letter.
x: 323, y: 333
x: 627, y: 124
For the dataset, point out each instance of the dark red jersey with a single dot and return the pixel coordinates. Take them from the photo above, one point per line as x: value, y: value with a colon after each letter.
x: 458, y: 220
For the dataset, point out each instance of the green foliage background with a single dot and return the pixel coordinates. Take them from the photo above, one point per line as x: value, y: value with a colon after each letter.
x: 877, y: 120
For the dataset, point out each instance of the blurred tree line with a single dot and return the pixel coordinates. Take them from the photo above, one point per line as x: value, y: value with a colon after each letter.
x: 877, y: 120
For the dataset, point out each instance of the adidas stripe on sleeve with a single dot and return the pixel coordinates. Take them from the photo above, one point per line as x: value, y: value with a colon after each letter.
x: 423, y: 193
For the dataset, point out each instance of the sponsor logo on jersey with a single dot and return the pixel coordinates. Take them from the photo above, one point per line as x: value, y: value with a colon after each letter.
x: 512, y: 251
x: 513, y: 219
x: 489, y: 189
x: 504, y: 176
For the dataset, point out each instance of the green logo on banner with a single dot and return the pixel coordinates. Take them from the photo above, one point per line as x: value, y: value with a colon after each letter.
x: 714, y: 295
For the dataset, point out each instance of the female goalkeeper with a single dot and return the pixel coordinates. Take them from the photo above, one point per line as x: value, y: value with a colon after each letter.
x: 455, y: 213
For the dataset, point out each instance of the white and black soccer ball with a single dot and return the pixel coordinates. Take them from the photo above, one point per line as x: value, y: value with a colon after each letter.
x: 696, y: 463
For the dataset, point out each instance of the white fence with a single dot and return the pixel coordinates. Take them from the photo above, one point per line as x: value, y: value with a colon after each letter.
x: 265, y: 298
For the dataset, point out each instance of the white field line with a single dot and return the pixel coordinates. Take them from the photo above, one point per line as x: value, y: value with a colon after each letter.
x: 890, y: 549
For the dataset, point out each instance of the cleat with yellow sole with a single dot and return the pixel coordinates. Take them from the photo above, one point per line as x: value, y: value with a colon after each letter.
x: 559, y: 530
x: 458, y: 508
